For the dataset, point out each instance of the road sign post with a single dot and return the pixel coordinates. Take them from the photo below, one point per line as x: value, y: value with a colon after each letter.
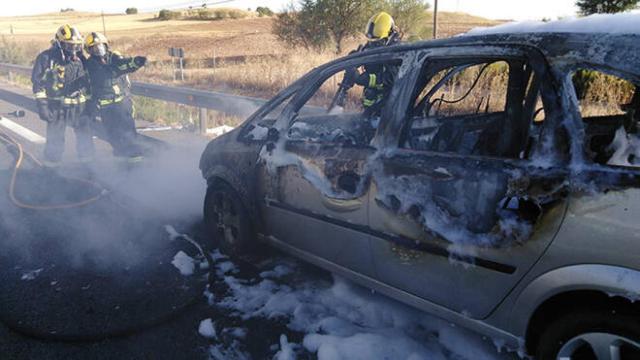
x: 203, y: 121
x: 179, y: 54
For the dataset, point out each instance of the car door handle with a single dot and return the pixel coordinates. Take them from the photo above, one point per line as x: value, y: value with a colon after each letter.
x: 341, y: 205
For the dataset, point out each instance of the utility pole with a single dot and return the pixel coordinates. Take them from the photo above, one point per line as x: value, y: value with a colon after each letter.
x: 435, y: 19
x: 104, y: 28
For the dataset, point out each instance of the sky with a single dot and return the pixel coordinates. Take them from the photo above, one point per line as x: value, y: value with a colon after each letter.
x: 492, y: 9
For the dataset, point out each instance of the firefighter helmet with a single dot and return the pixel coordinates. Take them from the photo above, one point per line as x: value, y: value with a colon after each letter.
x: 69, y: 39
x: 380, y: 26
x: 97, y: 44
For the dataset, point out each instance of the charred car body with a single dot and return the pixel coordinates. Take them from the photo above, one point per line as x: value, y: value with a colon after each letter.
x: 491, y: 191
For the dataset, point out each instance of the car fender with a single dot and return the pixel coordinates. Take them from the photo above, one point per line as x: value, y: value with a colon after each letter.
x: 609, y: 279
x: 240, y: 184
x: 221, y: 172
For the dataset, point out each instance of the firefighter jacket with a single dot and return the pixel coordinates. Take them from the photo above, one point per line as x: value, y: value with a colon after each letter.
x: 109, y: 81
x: 377, y: 79
x: 61, y: 82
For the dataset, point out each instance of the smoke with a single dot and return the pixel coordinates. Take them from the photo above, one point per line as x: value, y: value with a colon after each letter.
x: 122, y: 229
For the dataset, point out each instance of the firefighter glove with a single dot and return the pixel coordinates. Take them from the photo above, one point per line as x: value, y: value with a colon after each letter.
x: 349, y: 77
x: 140, y: 61
x: 44, y: 111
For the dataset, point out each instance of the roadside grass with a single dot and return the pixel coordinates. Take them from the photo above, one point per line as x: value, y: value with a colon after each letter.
x: 14, y: 52
x: 262, y: 77
x: 17, y: 79
x: 159, y: 112
x: 178, y: 115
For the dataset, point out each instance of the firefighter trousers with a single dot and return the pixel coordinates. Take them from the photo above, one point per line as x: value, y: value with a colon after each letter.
x: 120, y: 128
x: 56, y: 128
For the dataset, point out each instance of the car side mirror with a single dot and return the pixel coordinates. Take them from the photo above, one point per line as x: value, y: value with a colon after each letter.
x: 273, y: 135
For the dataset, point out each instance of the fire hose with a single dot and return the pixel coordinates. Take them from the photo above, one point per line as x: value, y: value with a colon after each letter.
x: 9, y: 140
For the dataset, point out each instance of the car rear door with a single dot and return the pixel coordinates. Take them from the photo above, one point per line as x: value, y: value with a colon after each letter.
x: 459, y: 211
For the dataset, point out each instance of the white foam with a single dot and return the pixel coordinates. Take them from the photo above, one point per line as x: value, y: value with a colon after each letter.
x: 625, y: 23
x: 344, y: 321
x: 184, y: 263
x: 286, y: 350
x: 31, y: 275
x: 207, y: 329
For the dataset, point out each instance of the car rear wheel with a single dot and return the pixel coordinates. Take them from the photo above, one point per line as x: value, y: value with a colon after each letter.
x: 227, y: 220
x: 592, y: 335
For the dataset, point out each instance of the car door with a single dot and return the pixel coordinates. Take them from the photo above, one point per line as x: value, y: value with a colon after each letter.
x: 315, y: 178
x: 459, y: 209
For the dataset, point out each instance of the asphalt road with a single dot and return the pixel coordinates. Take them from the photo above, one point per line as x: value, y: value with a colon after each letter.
x: 94, y: 281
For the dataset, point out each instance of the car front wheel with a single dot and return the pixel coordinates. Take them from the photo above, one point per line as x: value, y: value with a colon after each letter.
x: 227, y: 220
x: 592, y: 335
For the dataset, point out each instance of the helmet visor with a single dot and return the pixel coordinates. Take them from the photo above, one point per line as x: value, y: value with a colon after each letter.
x: 98, y: 50
x: 71, y: 48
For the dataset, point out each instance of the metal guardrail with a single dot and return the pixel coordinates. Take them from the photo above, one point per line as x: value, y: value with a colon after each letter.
x: 234, y: 105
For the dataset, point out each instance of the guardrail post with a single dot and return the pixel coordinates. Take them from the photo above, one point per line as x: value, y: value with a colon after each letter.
x: 203, y: 121
x: 11, y: 76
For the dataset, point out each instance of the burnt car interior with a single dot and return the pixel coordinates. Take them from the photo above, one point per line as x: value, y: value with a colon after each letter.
x: 472, y: 107
x: 320, y: 121
x: 605, y: 112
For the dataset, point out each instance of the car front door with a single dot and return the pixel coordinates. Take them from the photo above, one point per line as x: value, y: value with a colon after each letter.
x: 459, y: 210
x: 314, y: 175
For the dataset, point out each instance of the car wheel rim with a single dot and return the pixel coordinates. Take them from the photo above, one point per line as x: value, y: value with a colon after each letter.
x: 227, y: 220
x: 599, y: 346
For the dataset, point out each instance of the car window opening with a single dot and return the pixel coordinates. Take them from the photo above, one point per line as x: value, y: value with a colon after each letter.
x: 473, y: 108
x: 345, y: 109
x: 610, y: 109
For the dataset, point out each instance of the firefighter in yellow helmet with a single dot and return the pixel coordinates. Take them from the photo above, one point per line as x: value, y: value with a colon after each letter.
x: 382, y: 27
x: 376, y: 79
x: 110, y: 96
x: 60, y: 87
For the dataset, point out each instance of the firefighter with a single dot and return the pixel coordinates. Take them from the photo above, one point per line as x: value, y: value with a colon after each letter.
x: 60, y: 87
x: 376, y: 79
x: 110, y: 97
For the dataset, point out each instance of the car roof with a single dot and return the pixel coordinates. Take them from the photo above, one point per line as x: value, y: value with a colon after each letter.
x: 618, y: 52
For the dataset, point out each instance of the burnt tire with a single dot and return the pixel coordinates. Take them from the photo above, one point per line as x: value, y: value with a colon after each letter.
x: 592, y: 335
x: 227, y: 220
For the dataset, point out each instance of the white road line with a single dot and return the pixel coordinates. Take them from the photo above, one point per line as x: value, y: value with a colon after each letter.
x: 22, y: 131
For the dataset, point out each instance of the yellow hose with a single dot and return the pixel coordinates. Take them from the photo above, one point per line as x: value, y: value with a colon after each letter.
x: 21, y: 152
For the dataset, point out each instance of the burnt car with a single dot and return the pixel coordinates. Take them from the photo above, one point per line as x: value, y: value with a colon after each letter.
x: 497, y: 187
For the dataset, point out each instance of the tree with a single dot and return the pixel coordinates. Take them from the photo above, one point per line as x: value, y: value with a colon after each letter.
x: 131, y: 11
x: 345, y: 19
x: 317, y: 23
x: 410, y: 16
x: 588, y: 7
x: 165, y: 14
x: 264, y: 11
x: 298, y: 27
